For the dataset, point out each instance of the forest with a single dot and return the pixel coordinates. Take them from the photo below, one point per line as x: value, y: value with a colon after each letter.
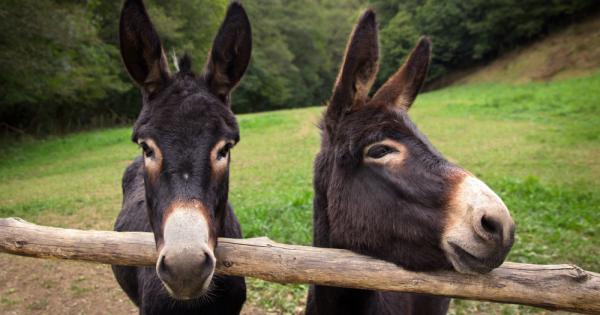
x: 60, y: 68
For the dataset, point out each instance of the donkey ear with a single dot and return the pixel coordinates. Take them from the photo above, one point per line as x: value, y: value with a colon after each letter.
x: 402, y: 88
x: 359, y: 69
x: 141, y: 48
x: 230, y: 54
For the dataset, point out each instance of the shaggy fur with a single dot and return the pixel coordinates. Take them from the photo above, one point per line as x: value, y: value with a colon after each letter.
x: 396, y: 216
x: 186, y: 115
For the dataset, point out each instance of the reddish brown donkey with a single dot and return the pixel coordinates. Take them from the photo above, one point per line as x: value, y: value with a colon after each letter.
x: 382, y: 189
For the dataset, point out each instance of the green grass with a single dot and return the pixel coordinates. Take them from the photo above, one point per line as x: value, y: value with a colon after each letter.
x: 537, y: 145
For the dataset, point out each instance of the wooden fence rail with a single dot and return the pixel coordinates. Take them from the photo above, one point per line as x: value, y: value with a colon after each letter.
x: 564, y: 287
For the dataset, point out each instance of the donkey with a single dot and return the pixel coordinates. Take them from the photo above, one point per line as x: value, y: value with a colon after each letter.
x: 178, y: 188
x: 382, y: 189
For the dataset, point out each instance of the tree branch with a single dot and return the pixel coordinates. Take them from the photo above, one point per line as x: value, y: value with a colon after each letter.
x: 564, y: 287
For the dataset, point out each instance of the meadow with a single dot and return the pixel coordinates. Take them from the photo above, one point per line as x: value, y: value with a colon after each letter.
x: 537, y: 145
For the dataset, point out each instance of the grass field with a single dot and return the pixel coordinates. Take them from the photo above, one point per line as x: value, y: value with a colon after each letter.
x: 536, y: 145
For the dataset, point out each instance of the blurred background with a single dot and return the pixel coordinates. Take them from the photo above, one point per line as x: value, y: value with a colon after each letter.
x: 513, y: 95
x: 60, y: 68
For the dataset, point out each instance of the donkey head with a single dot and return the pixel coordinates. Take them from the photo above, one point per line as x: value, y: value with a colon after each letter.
x: 388, y: 192
x: 186, y: 129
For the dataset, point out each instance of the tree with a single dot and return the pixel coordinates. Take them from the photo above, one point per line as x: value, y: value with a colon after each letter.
x: 50, y: 57
x: 469, y: 31
x: 60, y: 67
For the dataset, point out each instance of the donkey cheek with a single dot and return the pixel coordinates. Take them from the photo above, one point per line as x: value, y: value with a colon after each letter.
x: 152, y: 170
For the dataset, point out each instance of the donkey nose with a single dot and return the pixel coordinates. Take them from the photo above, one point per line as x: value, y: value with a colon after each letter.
x: 185, y: 271
x: 495, y: 226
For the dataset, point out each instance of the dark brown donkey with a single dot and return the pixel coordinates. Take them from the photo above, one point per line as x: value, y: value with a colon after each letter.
x: 178, y: 189
x: 382, y: 189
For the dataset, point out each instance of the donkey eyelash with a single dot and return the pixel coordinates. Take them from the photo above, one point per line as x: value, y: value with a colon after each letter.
x: 224, y: 151
x: 380, y: 150
x: 148, y: 152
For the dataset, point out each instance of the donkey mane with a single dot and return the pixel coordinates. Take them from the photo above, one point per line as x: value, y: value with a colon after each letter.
x: 185, y: 64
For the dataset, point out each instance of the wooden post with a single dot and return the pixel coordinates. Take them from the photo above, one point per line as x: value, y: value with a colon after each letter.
x: 564, y: 287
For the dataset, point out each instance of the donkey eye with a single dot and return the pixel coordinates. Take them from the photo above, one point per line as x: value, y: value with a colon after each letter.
x: 148, y: 153
x: 379, y: 151
x: 224, y: 151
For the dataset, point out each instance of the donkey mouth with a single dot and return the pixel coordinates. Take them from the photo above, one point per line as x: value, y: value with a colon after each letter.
x: 186, y: 295
x: 465, y: 262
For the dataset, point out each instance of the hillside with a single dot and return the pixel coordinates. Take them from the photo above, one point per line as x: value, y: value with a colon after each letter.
x: 536, y: 145
x: 571, y: 52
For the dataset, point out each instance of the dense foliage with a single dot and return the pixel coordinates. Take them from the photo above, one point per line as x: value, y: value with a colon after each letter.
x: 60, y: 67
x: 469, y: 31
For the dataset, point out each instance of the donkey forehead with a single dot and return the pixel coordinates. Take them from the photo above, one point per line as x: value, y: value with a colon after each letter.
x: 362, y: 127
x: 198, y: 115
x: 188, y: 135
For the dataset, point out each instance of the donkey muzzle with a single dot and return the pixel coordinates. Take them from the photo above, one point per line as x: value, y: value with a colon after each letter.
x: 186, y: 261
x: 479, y: 231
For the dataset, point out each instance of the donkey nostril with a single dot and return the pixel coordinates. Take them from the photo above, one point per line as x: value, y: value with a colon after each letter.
x: 162, y: 266
x: 209, y: 262
x: 207, y: 266
x: 491, y: 226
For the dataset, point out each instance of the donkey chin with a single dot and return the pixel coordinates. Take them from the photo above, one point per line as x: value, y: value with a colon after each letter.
x: 186, y: 262
x: 479, y: 231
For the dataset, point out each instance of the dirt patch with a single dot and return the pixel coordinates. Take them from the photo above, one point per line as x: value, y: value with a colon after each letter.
x: 38, y: 286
